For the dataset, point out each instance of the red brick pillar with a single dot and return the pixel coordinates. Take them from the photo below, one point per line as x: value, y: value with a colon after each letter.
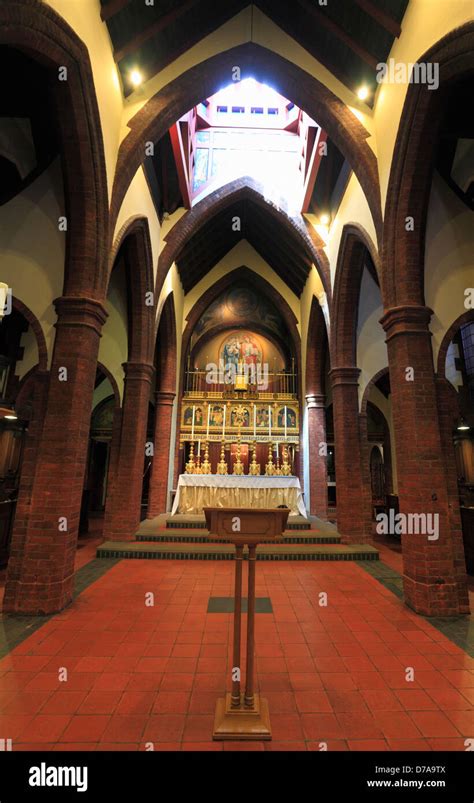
x: 432, y: 582
x: 158, y: 496
x: 353, y: 501
x: 41, y: 573
x: 122, y: 508
x: 28, y: 468
x: 318, y: 487
x: 448, y: 416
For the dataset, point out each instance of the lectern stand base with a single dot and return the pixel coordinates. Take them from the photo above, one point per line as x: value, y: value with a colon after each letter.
x: 242, y: 723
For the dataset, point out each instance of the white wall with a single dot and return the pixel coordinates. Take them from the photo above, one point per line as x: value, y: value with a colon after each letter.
x: 449, y: 258
x: 32, y: 248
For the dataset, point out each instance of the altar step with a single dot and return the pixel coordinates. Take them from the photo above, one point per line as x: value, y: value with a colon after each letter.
x: 190, y: 536
x: 218, y: 551
x: 182, y: 521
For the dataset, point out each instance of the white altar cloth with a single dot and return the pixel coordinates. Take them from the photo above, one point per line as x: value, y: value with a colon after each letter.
x: 196, y: 491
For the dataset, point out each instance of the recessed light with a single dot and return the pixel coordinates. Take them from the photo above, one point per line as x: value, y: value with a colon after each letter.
x: 136, y: 77
x: 363, y: 93
x: 324, y: 219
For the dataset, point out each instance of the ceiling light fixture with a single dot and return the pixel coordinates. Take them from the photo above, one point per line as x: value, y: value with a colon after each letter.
x: 363, y: 93
x: 324, y: 220
x: 136, y: 77
x: 12, y: 417
x: 462, y: 426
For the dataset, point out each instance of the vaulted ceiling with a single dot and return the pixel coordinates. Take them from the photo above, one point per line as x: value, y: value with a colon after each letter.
x: 283, y: 251
x: 350, y: 37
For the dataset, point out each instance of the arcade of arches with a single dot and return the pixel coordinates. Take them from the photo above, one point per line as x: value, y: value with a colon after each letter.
x: 244, y: 250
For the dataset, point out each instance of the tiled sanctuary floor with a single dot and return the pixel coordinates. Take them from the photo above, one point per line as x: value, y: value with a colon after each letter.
x: 139, y: 674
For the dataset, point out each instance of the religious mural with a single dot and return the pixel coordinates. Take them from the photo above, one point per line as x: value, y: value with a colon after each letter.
x: 242, y: 348
x: 291, y: 419
x: 188, y: 417
x: 234, y: 418
x: 240, y: 302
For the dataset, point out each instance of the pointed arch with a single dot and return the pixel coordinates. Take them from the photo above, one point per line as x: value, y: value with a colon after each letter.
x: 412, y: 169
x: 166, y: 348
x: 354, y: 246
x: 176, y: 98
x: 241, y: 189
x: 133, y: 241
x: 55, y: 45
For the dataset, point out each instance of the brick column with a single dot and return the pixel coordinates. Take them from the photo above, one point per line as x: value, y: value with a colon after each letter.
x: 432, y: 582
x: 353, y: 500
x: 122, y: 509
x: 28, y: 468
x: 158, y: 496
x: 41, y: 572
x: 318, y: 488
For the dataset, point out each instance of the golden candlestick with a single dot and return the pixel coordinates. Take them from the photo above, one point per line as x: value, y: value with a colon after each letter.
x: 198, y: 469
x: 190, y: 465
x: 286, y: 467
x: 270, y: 465
x: 222, y: 465
x: 205, y: 465
x: 238, y: 468
x: 254, y: 468
x: 278, y: 469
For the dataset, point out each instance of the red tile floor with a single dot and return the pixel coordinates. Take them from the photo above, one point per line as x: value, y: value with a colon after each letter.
x: 138, y: 675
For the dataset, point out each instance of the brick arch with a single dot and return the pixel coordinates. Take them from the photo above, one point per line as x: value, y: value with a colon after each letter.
x: 353, y: 248
x: 36, y: 29
x: 316, y: 350
x: 133, y: 240
x: 315, y: 390
x: 466, y: 317
x: 241, y: 189
x: 20, y: 307
x: 166, y: 348
x: 412, y: 168
x: 368, y: 388
x: 205, y: 78
x: 109, y: 375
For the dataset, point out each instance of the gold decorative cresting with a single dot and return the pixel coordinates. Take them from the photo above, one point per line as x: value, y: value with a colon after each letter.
x: 285, y: 467
x: 222, y: 465
x: 254, y: 468
x: 270, y: 465
x: 190, y: 465
x: 206, y: 465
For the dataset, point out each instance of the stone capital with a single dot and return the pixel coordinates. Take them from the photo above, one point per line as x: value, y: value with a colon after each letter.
x: 80, y: 311
x: 344, y: 375
x: 315, y: 400
x: 407, y: 319
x: 141, y: 371
x: 164, y: 398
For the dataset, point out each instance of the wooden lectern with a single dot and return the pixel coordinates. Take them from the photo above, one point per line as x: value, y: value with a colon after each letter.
x: 244, y: 716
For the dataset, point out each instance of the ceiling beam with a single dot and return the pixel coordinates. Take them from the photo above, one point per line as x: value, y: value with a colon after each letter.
x: 287, y: 25
x: 314, y: 165
x: 152, y: 30
x: 321, y: 18
x: 383, y: 19
x: 112, y: 8
x: 209, y: 25
x: 292, y: 248
x: 181, y: 164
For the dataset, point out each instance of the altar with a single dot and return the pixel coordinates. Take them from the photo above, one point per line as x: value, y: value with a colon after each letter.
x: 196, y: 491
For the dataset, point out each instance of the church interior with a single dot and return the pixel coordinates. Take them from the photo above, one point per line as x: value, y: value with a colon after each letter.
x: 236, y: 272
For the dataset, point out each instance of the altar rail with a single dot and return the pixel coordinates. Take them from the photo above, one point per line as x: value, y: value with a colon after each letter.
x: 283, y: 383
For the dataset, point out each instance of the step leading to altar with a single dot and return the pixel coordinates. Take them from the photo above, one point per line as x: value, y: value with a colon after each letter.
x: 183, y: 537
